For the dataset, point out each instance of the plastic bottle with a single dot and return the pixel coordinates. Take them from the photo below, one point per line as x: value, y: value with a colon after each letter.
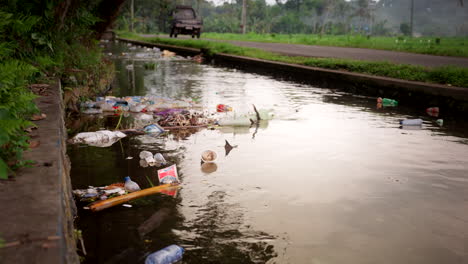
x: 387, y: 102
x: 160, y: 160
x: 148, y: 157
x: 411, y: 122
x: 167, y: 255
x: 145, y: 154
x: 130, y: 185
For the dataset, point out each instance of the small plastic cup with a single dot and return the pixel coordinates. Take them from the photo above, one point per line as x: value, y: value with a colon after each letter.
x: 208, y: 156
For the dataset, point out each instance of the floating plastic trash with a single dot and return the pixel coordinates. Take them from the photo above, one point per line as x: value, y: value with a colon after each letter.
x: 103, y: 138
x: 440, y: 122
x: 223, y: 108
x: 144, y: 117
x: 208, y: 156
x: 411, y: 122
x: 131, y: 186
x: 101, y: 205
x: 160, y: 160
x: 168, y: 54
x: 101, y: 193
x: 148, y: 158
x: 433, y: 111
x: 92, y: 111
x: 168, y: 175
x: 167, y: 255
x: 143, y: 163
x: 153, y: 128
x: 137, y: 108
x: 265, y: 114
x: 88, y: 104
x: 235, y: 121
x: 387, y: 101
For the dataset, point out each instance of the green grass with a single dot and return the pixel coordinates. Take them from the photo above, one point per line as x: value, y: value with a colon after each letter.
x: 448, y: 46
x: 455, y: 76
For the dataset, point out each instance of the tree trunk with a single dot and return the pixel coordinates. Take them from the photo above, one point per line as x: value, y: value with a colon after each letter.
x: 244, y: 16
x: 132, y: 14
x: 61, y: 12
x: 108, y: 11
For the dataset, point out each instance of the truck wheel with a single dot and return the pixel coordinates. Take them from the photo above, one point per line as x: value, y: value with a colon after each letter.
x: 172, y: 33
x: 193, y: 36
x: 198, y: 35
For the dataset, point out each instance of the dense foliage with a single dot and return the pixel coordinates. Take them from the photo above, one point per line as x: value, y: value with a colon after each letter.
x: 38, y: 40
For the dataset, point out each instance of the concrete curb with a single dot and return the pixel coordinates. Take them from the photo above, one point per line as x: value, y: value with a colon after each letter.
x: 407, y: 92
x: 37, y: 205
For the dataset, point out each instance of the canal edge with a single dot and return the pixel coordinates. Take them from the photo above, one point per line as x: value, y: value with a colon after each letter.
x: 41, y: 221
x: 412, y: 93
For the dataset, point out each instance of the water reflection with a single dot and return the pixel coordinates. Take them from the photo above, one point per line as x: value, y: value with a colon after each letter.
x: 331, y: 179
x: 220, y: 236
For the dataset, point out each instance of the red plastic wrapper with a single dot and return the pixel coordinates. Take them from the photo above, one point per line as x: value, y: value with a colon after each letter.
x: 168, y: 175
x: 223, y: 108
x: 433, y: 111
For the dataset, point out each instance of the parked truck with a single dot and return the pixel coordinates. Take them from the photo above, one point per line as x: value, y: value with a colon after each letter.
x: 185, y: 21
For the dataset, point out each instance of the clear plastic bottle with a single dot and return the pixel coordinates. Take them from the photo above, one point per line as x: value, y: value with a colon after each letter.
x: 131, y: 186
x: 411, y: 122
x: 167, y: 255
x: 160, y: 160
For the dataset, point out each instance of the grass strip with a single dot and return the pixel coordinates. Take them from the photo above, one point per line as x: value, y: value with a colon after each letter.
x: 443, y: 46
x: 448, y: 75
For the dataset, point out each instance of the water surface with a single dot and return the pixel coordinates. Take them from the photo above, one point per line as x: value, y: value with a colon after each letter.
x: 332, y: 179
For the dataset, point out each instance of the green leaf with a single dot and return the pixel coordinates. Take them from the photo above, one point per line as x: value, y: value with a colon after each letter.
x: 3, y: 138
x: 3, y: 170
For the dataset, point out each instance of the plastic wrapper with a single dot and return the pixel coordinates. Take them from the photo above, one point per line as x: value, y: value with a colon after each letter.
x: 168, y: 175
x: 103, y: 138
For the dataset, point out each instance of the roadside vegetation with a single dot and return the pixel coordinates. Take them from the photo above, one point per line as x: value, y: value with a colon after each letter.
x: 40, y: 42
x: 454, y: 76
x: 447, y: 46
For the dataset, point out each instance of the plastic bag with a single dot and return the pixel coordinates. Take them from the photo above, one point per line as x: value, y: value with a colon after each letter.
x: 137, y: 108
x: 103, y: 138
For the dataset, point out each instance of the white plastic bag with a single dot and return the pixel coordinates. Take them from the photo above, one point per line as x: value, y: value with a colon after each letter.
x: 137, y: 108
x: 103, y: 138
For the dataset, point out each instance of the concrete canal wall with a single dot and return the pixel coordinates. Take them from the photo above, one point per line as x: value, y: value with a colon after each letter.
x: 454, y: 100
x: 37, y: 204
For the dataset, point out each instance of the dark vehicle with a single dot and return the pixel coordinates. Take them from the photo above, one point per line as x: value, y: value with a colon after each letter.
x: 185, y: 21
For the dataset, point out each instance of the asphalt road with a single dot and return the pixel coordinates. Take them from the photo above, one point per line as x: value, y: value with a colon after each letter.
x: 347, y: 53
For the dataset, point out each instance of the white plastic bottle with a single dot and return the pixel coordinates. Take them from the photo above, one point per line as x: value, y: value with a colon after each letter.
x: 131, y: 186
x: 411, y: 122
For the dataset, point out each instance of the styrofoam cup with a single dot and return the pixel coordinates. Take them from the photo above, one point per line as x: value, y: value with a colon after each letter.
x: 208, y: 156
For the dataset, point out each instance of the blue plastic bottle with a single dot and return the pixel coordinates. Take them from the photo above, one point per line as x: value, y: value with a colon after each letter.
x: 131, y: 186
x: 167, y: 255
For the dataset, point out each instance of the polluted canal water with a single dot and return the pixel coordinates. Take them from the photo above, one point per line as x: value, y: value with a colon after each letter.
x: 330, y: 179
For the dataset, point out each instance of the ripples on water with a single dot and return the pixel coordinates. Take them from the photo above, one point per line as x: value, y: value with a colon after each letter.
x: 331, y: 179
